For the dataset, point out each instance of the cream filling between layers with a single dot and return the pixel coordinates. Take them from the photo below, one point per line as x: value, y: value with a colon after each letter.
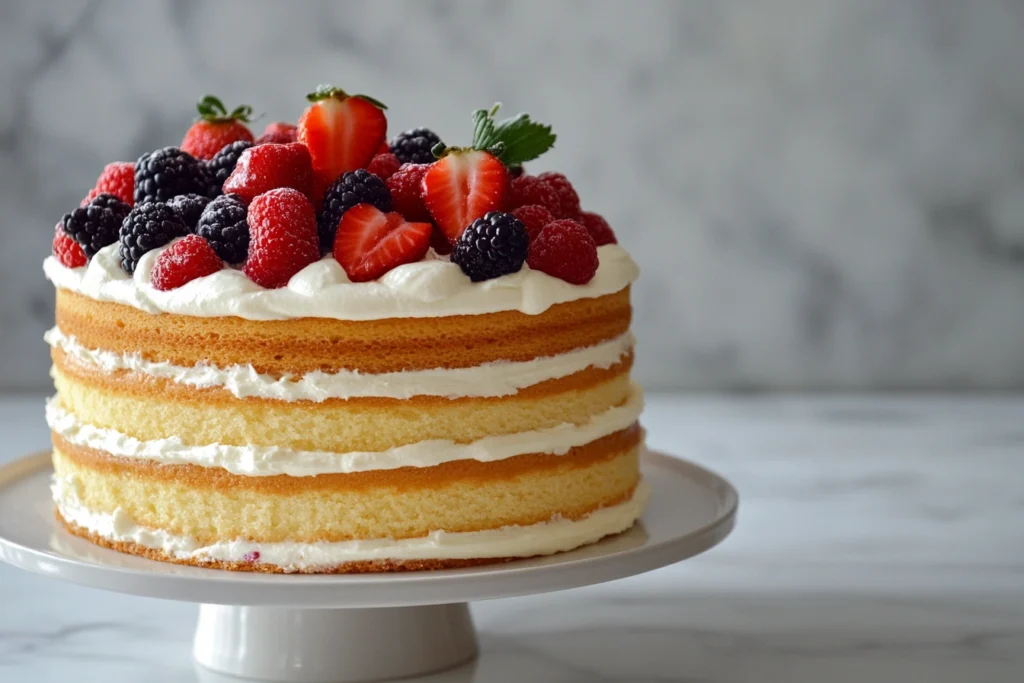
x: 260, y: 461
x: 429, y: 288
x: 500, y: 378
x: 556, y: 535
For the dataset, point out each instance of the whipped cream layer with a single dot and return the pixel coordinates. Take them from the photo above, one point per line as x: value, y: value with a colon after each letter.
x: 556, y: 535
x: 486, y: 380
x: 265, y: 461
x: 430, y: 288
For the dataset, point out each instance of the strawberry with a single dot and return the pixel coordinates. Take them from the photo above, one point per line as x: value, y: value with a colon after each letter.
x: 266, y: 167
x: 118, y: 179
x: 342, y: 132
x: 384, y: 165
x: 283, y: 236
x: 67, y: 251
x: 370, y: 242
x: 215, y: 128
x: 406, y: 187
x: 567, y: 197
x: 598, y: 228
x: 278, y: 132
x: 184, y: 261
x: 463, y: 186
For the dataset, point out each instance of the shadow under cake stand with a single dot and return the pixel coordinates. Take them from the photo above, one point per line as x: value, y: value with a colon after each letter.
x: 360, y: 627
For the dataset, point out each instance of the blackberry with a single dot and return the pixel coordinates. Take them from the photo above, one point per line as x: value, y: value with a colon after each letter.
x: 96, y: 224
x: 189, y: 208
x: 492, y: 246
x: 224, y: 226
x: 167, y: 173
x: 146, y: 227
x: 223, y: 163
x: 413, y: 146
x: 353, y: 187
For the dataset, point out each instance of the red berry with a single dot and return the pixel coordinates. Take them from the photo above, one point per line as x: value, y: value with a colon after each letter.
x: 384, y: 147
x: 439, y: 242
x: 567, y: 197
x: 530, y: 189
x: 270, y: 166
x: 370, y: 242
x: 68, y: 251
x: 463, y: 186
x: 406, y: 187
x: 215, y: 128
x: 342, y: 133
x: 279, y: 133
x: 283, y: 236
x: 118, y: 179
x: 534, y: 217
x: 565, y: 250
x: 184, y: 261
x: 384, y: 165
x: 598, y: 228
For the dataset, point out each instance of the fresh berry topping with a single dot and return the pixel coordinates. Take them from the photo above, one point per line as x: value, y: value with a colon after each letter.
x: 534, y: 217
x: 530, y: 189
x: 184, y: 261
x: 189, y: 208
x: 342, y: 132
x: 96, y: 225
x: 567, y: 197
x: 223, y: 164
x: 492, y: 246
x: 147, y: 226
x: 370, y: 242
x: 215, y: 128
x: 167, y: 173
x: 118, y: 179
x: 384, y: 165
x: 267, y: 167
x: 564, y: 249
x: 439, y: 242
x: 516, y: 171
x: 413, y: 146
x: 353, y: 187
x: 598, y: 228
x: 283, y: 240
x: 68, y: 251
x: 463, y: 186
x: 513, y: 140
x: 225, y: 226
x: 383, y: 149
x: 406, y: 187
x: 279, y: 133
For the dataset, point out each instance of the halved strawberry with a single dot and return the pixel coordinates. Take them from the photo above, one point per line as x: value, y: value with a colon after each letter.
x: 463, y: 186
x: 342, y: 132
x: 370, y: 242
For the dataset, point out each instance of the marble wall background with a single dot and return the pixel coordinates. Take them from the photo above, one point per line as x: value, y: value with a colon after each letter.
x: 821, y: 194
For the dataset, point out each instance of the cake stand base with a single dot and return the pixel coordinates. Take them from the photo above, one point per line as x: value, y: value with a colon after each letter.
x: 333, y: 645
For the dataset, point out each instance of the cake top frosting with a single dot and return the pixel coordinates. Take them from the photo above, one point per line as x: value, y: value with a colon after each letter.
x: 327, y: 218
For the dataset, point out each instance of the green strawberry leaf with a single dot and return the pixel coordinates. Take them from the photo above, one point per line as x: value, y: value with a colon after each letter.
x: 513, y: 140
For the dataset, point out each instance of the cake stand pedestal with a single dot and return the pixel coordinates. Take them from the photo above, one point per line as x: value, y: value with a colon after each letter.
x: 364, y: 627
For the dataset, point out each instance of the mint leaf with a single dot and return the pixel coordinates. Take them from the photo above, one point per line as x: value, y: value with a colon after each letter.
x: 513, y: 140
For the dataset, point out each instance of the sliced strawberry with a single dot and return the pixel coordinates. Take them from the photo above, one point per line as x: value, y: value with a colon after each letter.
x: 370, y: 242
x: 342, y: 132
x: 463, y: 186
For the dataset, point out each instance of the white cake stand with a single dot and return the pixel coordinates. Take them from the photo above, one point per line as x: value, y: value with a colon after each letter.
x: 344, y: 628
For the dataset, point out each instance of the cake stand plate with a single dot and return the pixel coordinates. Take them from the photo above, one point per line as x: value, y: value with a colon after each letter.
x: 343, y: 628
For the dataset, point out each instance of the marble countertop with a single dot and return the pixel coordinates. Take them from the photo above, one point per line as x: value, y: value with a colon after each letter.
x: 879, y: 539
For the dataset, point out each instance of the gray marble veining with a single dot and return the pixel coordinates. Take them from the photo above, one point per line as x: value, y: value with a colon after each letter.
x: 821, y: 194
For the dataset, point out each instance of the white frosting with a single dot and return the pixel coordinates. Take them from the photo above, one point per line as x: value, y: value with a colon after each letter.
x: 557, y: 535
x: 489, y: 379
x: 429, y: 288
x: 257, y: 461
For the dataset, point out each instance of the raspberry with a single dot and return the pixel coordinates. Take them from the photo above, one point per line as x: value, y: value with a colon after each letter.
x: 223, y: 163
x: 97, y: 224
x: 406, y: 187
x: 224, y: 225
x: 567, y: 197
x: 529, y: 189
x: 189, y: 208
x: 491, y: 246
x: 534, y: 217
x: 598, y: 228
x: 283, y: 236
x: 413, y: 146
x: 439, y: 242
x: 118, y: 179
x: 383, y: 166
x: 564, y: 249
x: 147, y: 226
x: 167, y: 173
x: 68, y: 251
x: 353, y: 187
x: 279, y: 133
x: 267, y: 167
x: 184, y: 261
